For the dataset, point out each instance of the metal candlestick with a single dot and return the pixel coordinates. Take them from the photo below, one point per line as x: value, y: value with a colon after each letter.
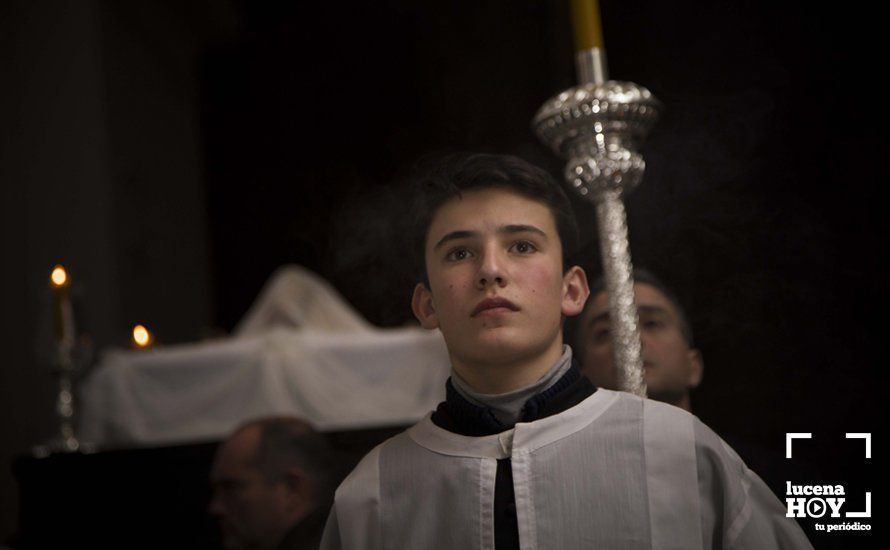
x: 65, y: 366
x: 65, y: 440
x: 598, y: 126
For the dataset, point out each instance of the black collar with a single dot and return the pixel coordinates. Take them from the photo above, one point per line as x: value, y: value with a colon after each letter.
x: 456, y: 414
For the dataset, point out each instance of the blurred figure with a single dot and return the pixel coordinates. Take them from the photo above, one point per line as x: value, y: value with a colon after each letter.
x: 273, y: 482
x: 672, y: 365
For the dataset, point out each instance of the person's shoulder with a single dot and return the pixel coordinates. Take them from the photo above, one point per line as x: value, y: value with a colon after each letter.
x: 672, y: 419
x: 369, y: 465
x: 735, y: 504
x: 353, y: 522
x: 650, y: 409
x: 364, y: 479
x: 667, y: 427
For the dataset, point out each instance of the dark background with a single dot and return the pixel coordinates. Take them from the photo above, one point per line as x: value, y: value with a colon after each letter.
x: 173, y: 154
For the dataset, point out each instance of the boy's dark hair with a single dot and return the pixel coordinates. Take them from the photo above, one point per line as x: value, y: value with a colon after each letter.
x: 643, y: 276
x: 436, y: 181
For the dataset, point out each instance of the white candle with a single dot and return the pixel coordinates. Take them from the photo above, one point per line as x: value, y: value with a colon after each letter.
x: 63, y: 313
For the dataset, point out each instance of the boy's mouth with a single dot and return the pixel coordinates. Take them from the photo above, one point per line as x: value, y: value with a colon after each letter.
x: 491, y: 304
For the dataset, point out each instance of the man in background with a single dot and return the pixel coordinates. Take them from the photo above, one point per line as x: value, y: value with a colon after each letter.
x: 273, y: 482
x: 672, y: 365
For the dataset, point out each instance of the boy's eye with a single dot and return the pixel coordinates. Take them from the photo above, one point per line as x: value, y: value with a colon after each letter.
x: 458, y: 254
x: 523, y: 247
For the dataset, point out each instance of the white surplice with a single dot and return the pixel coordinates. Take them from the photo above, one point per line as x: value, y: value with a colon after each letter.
x: 613, y: 472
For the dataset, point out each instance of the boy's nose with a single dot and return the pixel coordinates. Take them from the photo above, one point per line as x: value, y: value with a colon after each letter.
x: 491, y: 270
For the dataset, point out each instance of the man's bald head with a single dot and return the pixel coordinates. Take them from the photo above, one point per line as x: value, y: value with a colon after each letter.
x: 267, y: 476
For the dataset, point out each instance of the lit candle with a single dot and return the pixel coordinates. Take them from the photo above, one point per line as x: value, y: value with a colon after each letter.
x: 142, y: 338
x: 587, y: 25
x: 63, y: 313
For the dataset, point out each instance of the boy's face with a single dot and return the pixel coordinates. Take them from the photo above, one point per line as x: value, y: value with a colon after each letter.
x: 497, y: 289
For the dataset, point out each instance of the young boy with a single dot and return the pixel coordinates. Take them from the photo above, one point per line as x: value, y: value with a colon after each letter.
x: 525, y: 452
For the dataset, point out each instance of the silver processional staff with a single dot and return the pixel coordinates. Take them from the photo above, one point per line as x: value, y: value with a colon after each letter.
x: 597, y: 126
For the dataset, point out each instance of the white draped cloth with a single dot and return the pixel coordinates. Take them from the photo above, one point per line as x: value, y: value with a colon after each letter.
x: 615, y: 471
x: 297, y: 298
x: 301, y: 350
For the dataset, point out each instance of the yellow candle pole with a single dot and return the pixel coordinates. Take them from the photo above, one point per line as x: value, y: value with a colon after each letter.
x: 587, y: 24
x: 590, y: 50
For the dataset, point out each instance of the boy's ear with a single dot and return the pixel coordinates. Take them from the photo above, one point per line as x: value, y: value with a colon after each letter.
x: 574, y: 291
x: 423, y: 308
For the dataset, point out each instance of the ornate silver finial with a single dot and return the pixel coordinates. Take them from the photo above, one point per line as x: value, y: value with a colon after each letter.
x: 597, y: 127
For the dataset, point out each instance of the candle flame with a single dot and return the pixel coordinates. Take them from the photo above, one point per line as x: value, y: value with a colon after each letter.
x: 141, y: 336
x: 59, y: 276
